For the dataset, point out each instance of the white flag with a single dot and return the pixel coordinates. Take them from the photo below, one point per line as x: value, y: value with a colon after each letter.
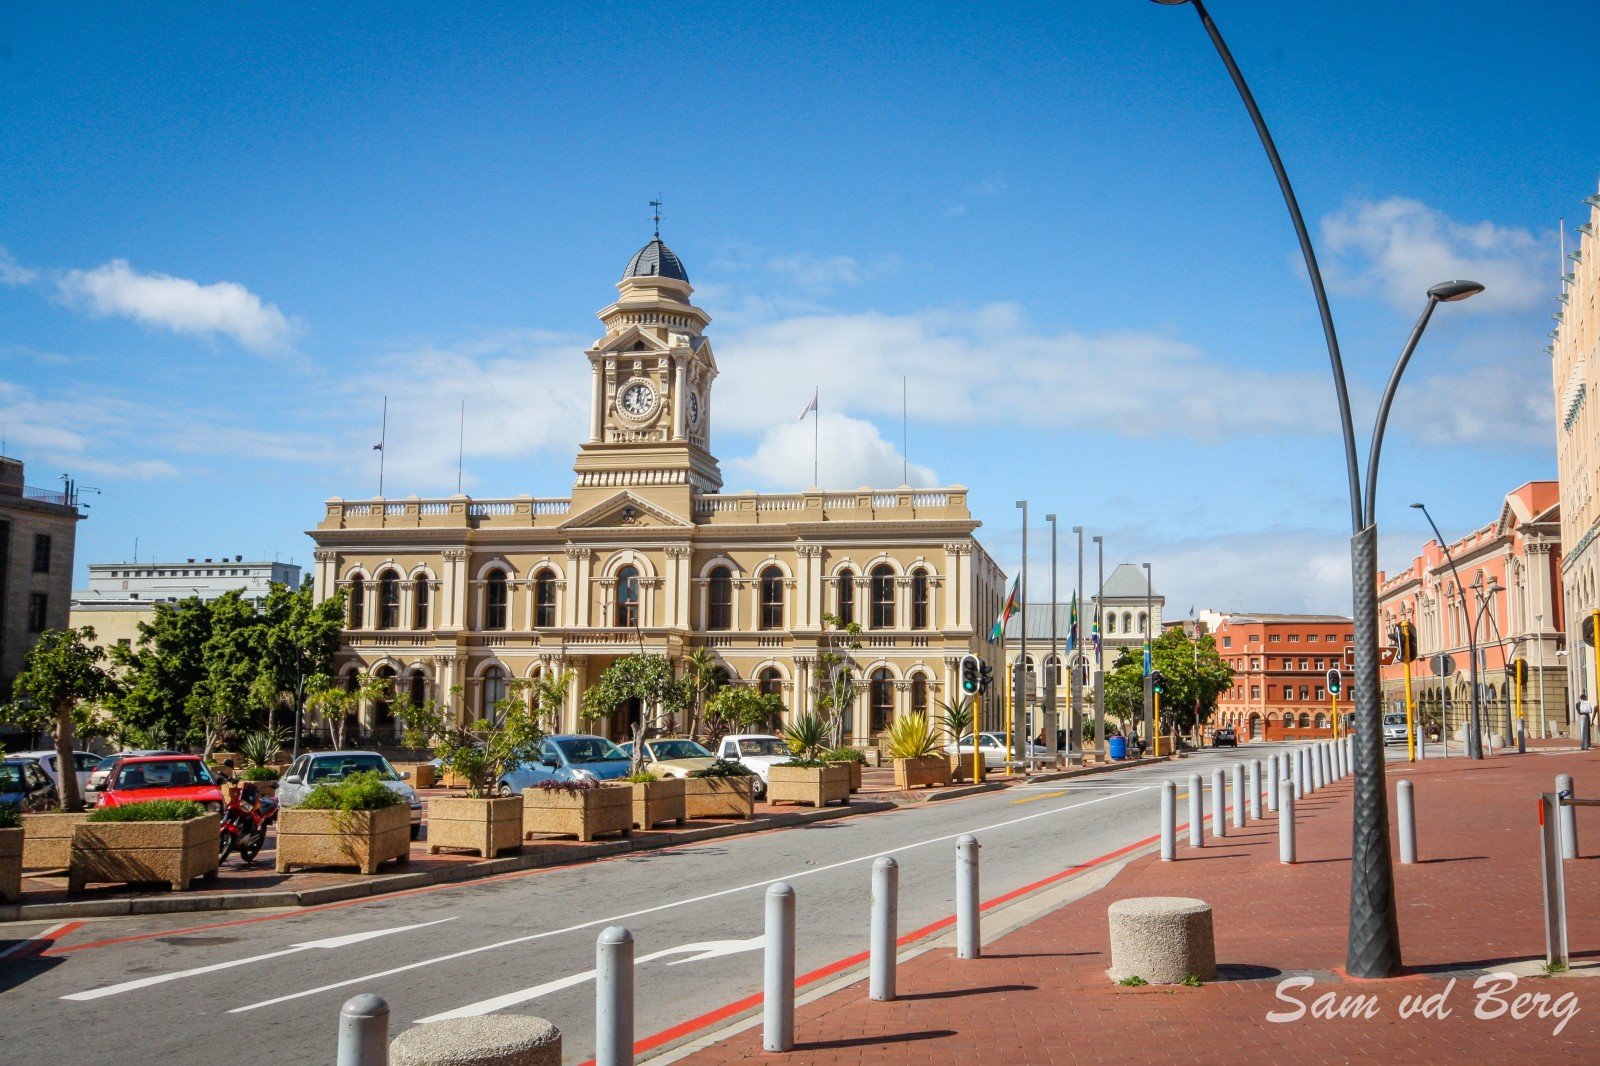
x: 812, y: 406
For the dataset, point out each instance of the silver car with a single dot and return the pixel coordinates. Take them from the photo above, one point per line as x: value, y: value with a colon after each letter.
x: 315, y: 767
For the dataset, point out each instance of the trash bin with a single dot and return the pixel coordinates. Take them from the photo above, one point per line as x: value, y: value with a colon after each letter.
x: 1119, y: 747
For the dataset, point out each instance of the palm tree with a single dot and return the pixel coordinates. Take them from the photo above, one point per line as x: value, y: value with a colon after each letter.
x: 704, y: 676
x: 549, y: 696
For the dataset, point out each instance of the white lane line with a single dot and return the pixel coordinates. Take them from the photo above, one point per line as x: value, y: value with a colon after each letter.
x: 326, y: 944
x: 615, y: 919
x: 48, y: 933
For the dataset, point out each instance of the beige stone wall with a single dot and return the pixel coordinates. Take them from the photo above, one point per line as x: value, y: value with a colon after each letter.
x: 24, y: 519
x: 1575, y: 370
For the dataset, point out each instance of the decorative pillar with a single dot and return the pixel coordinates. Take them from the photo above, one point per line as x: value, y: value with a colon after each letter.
x: 680, y: 399
x: 597, y: 403
x: 453, y: 601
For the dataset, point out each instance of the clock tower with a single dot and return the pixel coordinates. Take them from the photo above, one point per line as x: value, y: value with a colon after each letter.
x: 650, y: 393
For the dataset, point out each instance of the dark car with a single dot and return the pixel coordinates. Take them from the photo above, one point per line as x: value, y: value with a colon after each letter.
x: 25, y: 786
x: 1224, y: 737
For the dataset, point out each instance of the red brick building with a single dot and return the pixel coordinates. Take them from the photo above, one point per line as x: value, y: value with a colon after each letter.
x: 1280, y: 664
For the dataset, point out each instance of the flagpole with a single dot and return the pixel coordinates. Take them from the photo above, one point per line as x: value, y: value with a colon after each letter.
x: 383, y: 439
x: 905, y: 435
x: 816, y: 437
x: 461, y: 446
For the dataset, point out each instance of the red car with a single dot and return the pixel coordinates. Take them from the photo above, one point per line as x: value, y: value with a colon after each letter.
x: 161, y: 777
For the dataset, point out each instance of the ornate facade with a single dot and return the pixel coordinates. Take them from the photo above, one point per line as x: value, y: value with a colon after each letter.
x: 647, y: 554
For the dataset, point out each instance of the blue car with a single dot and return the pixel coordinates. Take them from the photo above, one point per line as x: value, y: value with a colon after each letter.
x: 571, y: 757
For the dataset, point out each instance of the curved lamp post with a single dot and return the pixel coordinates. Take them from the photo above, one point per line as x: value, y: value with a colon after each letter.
x: 1474, y: 726
x: 1373, y: 948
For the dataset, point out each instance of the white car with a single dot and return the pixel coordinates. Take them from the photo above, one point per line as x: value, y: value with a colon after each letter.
x: 1394, y: 728
x: 993, y: 747
x: 313, y: 768
x: 757, y: 751
x: 86, y: 762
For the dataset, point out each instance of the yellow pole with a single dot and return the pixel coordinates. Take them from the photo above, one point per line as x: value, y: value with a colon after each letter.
x: 1155, y: 727
x: 1008, y: 729
x: 1335, y: 696
x: 1518, y: 673
x: 1411, y: 729
x: 977, y: 719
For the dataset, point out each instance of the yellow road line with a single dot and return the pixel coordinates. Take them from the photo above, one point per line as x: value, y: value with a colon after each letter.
x: 1041, y: 796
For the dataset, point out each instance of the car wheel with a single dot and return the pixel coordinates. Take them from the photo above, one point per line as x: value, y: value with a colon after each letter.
x: 505, y: 790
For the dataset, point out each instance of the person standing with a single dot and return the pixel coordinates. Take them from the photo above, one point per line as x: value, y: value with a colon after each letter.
x: 1585, y: 720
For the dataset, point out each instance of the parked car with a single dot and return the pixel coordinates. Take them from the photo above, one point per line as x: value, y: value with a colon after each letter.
x: 756, y: 751
x: 84, y: 764
x: 672, y: 756
x: 993, y: 748
x: 161, y: 777
x: 1224, y: 737
x: 568, y: 757
x: 316, y: 767
x: 102, y: 769
x: 1394, y: 728
x: 23, y: 785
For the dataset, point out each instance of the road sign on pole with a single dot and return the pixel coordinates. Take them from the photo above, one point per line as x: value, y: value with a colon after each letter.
x: 1388, y: 655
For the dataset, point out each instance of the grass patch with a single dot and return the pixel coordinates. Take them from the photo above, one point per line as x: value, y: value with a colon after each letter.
x: 149, y: 811
x: 1193, y: 980
x: 364, y: 791
x: 1133, y: 981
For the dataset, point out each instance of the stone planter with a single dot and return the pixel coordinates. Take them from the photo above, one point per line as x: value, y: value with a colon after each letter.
x: 855, y: 774
x: 815, y: 785
x: 658, y: 801
x: 47, y: 840
x: 424, y: 775
x: 362, y: 839
x: 487, y: 826
x: 719, y: 797
x: 961, y: 768
x: 138, y: 852
x: 927, y: 771
x: 584, y: 814
x: 10, y: 865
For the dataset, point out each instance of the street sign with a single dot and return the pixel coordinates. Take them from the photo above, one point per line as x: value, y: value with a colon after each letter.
x: 1387, y: 656
x: 1442, y: 665
x: 1350, y: 656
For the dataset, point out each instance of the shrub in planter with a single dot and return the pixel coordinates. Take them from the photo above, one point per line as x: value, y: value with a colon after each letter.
x: 811, y: 781
x: 914, y: 747
x: 10, y: 855
x: 725, y: 789
x: 354, y: 822
x: 854, y: 758
x: 584, y: 809
x: 656, y: 800
x: 161, y: 840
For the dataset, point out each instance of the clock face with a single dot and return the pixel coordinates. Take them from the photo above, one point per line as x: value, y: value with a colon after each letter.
x: 694, y: 409
x: 637, y: 399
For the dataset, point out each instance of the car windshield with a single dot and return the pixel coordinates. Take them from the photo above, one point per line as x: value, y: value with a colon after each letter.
x: 763, y: 746
x: 10, y: 778
x: 166, y: 773
x: 337, y: 768
x: 108, y: 762
x: 663, y: 750
x: 1394, y: 719
x: 590, y: 749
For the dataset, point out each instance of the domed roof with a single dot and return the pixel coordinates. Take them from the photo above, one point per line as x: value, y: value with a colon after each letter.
x: 655, y: 260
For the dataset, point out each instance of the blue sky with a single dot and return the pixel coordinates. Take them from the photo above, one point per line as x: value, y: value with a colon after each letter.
x: 229, y: 231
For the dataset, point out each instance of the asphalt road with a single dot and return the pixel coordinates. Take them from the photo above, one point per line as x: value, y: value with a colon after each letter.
x: 267, y: 986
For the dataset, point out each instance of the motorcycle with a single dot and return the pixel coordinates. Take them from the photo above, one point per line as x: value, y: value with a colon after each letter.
x: 245, y: 822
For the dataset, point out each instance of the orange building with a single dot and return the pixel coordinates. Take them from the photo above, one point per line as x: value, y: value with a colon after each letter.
x: 1280, y: 664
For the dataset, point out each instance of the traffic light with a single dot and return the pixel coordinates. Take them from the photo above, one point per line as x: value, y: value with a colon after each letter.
x: 1335, y: 681
x: 1157, y: 679
x: 1519, y: 671
x: 971, y: 682
x: 985, y: 676
x: 1406, y: 640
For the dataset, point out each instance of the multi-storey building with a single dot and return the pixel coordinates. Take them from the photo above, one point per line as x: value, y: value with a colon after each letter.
x: 647, y: 554
x: 1280, y: 664
x: 1519, y: 556
x: 121, y: 595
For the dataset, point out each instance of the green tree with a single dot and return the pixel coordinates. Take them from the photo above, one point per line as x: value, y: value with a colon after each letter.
x: 1195, y: 676
x: 62, y: 676
x: 230, y: 690
x: 836, y: 673
x: 299, y: 640
x: 1124, y: 689
x: 646, y: 678
x: 340, y: 705
x: 742, y: 708
x: 482, y: 751
x: 160, y: 671
x: 705, y: 677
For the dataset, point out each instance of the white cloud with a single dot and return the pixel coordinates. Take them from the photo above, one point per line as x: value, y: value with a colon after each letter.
x: 822, y: 274
x: 13, y: 272
x: 179, y: 304
x: 1495, y: 405
x: 843, y: 452
x: 1399, y: 248
x: 1246, y: 572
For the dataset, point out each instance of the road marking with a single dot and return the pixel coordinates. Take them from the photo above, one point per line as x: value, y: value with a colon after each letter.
x: 328, y: 943
x: 1040, y: 796
x: 23, y: 949
x: 619, y: 918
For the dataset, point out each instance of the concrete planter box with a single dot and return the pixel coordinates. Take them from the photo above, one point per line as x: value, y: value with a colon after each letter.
x: 855, y: 774
x: 584, y: 814
x: 814, y: 785
x: 10, y: 865
x: 719, y: 797
x: 424, y: 775
x: 138, y: 852
x: 362, y: 839
x: 658, y: 801
x: 487, y: 826
x: 928, y: 771
x: 961, y: 768
x: 47, y: 840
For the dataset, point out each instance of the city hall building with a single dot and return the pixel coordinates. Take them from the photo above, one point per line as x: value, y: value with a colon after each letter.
x: 647, y: 553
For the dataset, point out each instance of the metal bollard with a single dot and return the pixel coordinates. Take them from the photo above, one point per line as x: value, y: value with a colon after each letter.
x: 1255, y: 790
x: 1274, y: 778
x: 613, y: 997
x: 1286, y: 822
x: 1407, y: 812
x: 1219, y: 804
x: 1238, y: 795
x: 969, y: 940
x: 1568, y: 817
x: 364, y: 1031
x: 777, y: 1000
x: 885, y: 928
x: 1169, y: 820
x: 1197, y: 812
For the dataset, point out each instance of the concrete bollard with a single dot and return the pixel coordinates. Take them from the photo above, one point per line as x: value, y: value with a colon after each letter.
x: 1568, y: 817
x: 1238, y: 795
x: 1286, y: 822
x: 1318, y: 777
x: 1407, y: 815
x: 613, y: 998
x: 364, y: 1031
x: 491, y: 1040
x: 1274, y: 776
x: 1340, y: 770
x: 969, y: 939
x: 1297, y: 771
x: 1219, y: 804
x: 777, y: 1000
x: 885, y: 928
x: 1255, y: 790
x: 1169, y: 820
x: 1197, y: 812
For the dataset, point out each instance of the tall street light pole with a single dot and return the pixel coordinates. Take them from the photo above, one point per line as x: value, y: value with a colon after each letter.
x: 1052, y: 661
x: 1373, y: 945
x: 1474, y: 737
x: 1019, y: 681
x: 1075, y: 718
x: 1149, y: 694
x: 1099, y: 659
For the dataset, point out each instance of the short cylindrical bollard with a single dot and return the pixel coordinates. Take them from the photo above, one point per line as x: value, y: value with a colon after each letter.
x: 1318, y: 777
x: 777, y: 1000
x: 1568, y: 817
x: 969, y: 941
x: 885, y: 928
x: 1255, y: 790
x: 1297, y: 771
x: 486, y: 1040
x: 1238, y: 795
x: 1219, y: 804
x: 1339, y: 769
x: 1169, y: 821
x: 1274, y: 778
x: 613, y: 997
x: 1197, y: 812
x: 1286, y: 822
x: 364, y: 1031
x: 1407, y: 813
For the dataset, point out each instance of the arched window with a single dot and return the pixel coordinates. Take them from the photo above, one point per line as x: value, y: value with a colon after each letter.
x: 382, y: 706
x: 1111, y: 623
x: 770, y: 682
x: 1322, y: 720
x: 1288, y: 720
x: 419, y: 688
x: 1144, y: 623
x: 1127, y: 622
x: 495, y: 598
x: 919, y: 599
x: 628, y: 597
x: 882, y: 596
x: 544, y: 600
x: 881, y: 699
x: 846, y: 596
x: 1305, y: 720
x: 1052, y: 669
x: 772, y: 598
x: 358, y: 602
x: 494, y: 690
x: 719, y: 599
x: 919, y: 694
x: 389, y: 600
x: 419, y: 602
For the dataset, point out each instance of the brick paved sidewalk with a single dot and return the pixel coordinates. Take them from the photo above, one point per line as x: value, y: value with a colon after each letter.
x: 1471, y: 905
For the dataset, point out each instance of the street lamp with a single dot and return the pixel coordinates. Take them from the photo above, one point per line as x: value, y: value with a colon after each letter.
x: 1052, y: 660
x: 1373, y: 945
x: 1019, y: 681
x: 1149, y: 698
x: 1474, y: 739
x: 1099, y: 659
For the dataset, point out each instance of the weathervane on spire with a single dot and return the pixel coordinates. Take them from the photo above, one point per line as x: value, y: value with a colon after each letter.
x: 657, y: 217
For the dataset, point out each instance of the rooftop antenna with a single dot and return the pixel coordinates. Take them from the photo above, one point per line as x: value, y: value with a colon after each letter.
x: 656, y: 205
